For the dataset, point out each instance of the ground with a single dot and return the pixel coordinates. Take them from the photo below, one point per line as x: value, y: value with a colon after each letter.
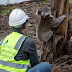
x: 30, y: 9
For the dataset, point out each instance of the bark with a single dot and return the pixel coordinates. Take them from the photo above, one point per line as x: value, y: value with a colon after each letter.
x: 63, y: 27
x: 56, y: 44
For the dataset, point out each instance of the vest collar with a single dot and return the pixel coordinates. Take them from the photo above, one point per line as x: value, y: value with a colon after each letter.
x: 18, y: 32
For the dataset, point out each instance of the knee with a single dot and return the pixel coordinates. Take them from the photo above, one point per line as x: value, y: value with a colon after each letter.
x: 47, y: 66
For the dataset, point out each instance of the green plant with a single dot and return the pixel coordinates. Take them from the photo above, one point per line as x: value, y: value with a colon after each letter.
x: 0, y: 5
x: 12, y: 8
x: 35, y: 25
x: 6, y: 11
x: 46, y: 2
x: 70, y: 1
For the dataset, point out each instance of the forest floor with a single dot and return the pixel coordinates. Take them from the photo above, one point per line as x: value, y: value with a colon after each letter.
x: 62, y: 63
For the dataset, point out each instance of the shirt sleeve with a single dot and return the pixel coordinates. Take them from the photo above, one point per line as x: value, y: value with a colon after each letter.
x: 31, y: 50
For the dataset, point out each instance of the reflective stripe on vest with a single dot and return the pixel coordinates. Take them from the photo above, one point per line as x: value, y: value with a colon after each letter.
x: 19, y: 42
x: 1, y: 70
x: 15, y: 65
x: 8, y: 63
x: 2, y: 42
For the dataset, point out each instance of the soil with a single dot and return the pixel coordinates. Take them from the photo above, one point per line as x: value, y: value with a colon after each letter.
x: 58, y: 65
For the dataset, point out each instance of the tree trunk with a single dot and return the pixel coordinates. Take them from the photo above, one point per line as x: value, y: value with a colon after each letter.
x: 61, y: 7
x: 56, y: 44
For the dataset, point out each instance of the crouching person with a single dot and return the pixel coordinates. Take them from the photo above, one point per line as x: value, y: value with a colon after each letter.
x: 18, y: 51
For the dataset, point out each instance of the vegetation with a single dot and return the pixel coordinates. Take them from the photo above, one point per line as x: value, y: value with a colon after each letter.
x: 70, y: 1
x: 6, y: 11
x: 46, y: 2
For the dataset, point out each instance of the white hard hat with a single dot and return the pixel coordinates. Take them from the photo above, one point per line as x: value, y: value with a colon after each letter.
x: 17, y: 17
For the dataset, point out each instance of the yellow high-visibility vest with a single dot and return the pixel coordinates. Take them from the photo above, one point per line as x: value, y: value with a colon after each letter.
x: 8, y: 49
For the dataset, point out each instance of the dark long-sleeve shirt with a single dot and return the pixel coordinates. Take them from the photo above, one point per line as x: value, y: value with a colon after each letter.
x: 28, y: 50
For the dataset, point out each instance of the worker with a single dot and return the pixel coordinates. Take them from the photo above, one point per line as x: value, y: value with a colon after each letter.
x: 17, y: 51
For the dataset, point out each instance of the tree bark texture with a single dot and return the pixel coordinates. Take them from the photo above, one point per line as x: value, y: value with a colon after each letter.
x: 61, y: 7
x: 55, y: 45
